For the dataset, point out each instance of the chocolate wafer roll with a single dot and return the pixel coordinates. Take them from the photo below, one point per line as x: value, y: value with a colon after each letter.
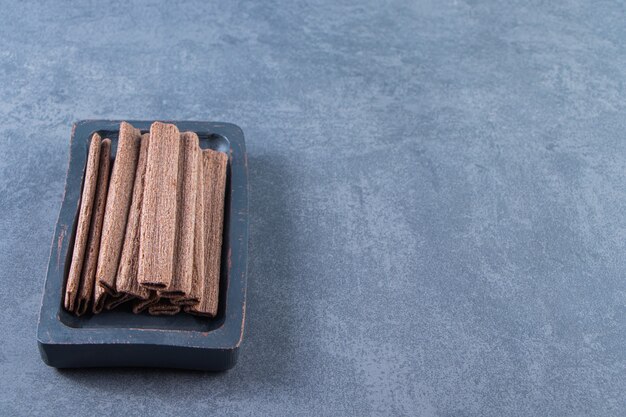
x: 197, y: 285
x: 85, y: 294
x: 84, y: 221
x: 186, y: 217
x: 126, y: 281
x: 159, y: 209
x: 214, y: 166
x: 118, y: 205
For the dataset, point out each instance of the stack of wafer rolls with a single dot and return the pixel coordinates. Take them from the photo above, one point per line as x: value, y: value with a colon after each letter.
x: 149, y: 229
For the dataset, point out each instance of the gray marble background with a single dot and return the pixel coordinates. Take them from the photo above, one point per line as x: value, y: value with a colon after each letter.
x: 438, y: 199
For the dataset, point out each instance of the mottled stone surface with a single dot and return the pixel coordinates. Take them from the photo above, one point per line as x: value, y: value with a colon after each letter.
x: 437, y: 208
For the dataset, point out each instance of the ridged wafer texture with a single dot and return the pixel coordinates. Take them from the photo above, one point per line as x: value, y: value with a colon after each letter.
x: 214, y: 175
x: 117, y: 206
x: 84, y: 221
x: 85, y: 294
x: 126, y: 281
x: 159, y: 208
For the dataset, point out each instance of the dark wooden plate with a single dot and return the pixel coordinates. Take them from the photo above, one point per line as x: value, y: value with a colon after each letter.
x: 119, y: 337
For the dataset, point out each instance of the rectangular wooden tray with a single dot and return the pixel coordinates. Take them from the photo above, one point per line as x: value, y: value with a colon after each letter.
x: 119, y: 337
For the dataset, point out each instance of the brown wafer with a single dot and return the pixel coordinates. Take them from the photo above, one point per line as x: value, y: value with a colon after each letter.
x: 100, y: 297
x: 159, y: 208
x: 141, y: 305
x: 184, y: 300
x: 187, y: 192
x: 84, y: 221
x: 163, y: 308
x: 126, y: 281
x: 198, y: 247
x: 214, y: 166
x: 118, y: 205
x: 85, y: 294
x: 112, y: 302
